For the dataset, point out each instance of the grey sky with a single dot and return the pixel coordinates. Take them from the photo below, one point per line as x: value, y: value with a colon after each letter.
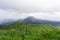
x: 42, y: 9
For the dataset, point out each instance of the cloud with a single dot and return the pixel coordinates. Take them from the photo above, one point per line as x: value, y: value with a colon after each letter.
x: 46, y: 16
x: 31, y: 5
x: 42, y: 9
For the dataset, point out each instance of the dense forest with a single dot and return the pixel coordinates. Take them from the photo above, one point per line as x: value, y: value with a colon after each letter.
x: 25, y: 31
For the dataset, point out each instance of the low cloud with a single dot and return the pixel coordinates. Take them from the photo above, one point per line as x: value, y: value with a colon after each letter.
x: 42, y: 9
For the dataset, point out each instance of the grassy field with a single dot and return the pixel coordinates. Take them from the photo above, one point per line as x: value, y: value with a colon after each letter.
x: 24, y: 31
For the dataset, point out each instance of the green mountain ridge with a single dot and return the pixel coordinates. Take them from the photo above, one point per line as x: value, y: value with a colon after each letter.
x: 24, y: 31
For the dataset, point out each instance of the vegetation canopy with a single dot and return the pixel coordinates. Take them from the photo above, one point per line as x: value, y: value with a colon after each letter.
x: 25, y: 31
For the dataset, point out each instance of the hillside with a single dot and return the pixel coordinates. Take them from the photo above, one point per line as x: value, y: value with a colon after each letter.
x: 24, y: 31
x: 34, y: 20
x: 30, y: 19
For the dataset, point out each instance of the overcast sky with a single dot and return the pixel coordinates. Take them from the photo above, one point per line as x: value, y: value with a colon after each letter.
x: 42, y: 9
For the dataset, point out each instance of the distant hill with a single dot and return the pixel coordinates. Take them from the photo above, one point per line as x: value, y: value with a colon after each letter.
x: 7, y: 21
x: 39, y: 21
x: 30, y: 19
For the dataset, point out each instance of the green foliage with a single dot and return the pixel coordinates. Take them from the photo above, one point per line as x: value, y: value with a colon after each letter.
x: 24, y: 31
